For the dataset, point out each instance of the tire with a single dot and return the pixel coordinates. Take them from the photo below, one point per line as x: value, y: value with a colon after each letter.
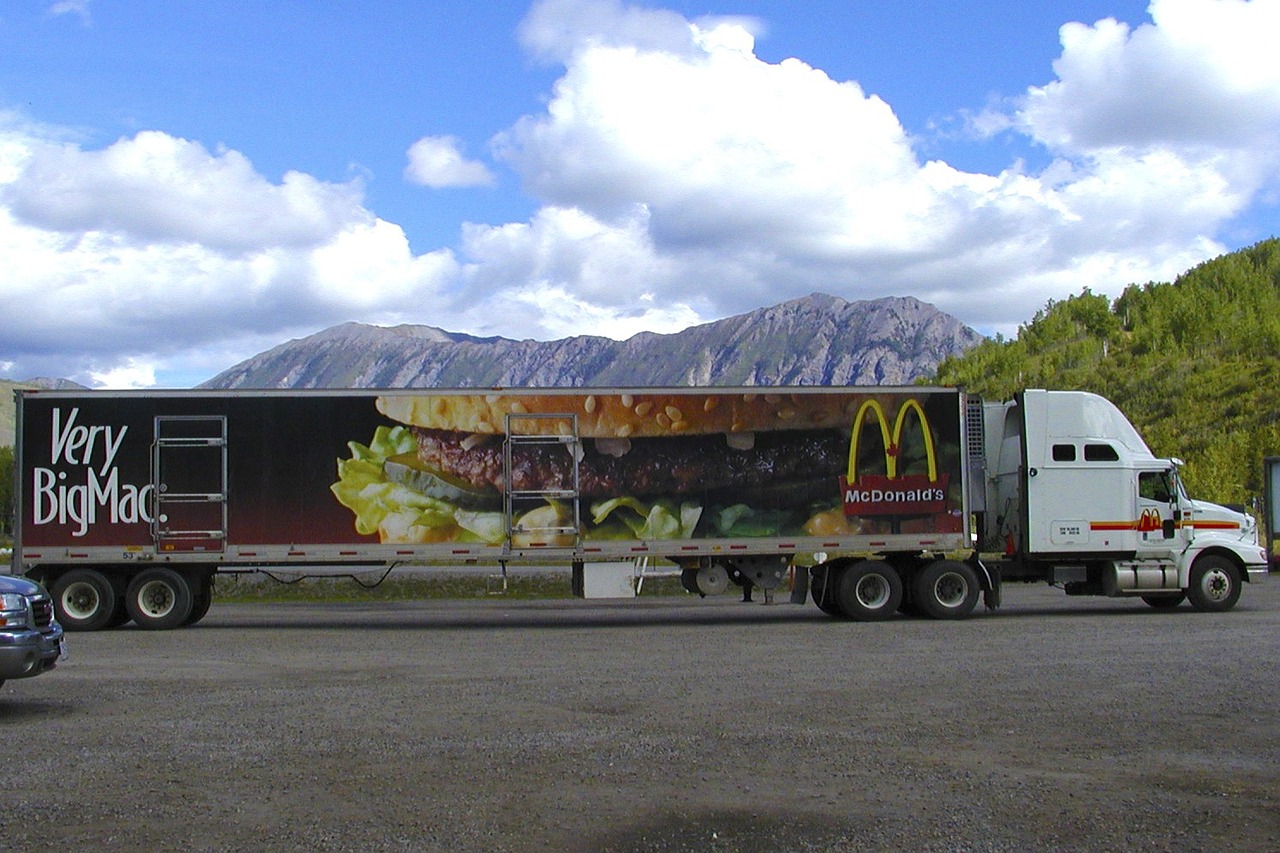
x: 1165, y: 602
x: 84, y: 600
x: 947, y: 589
x: 1215, y: 584
x: 159, y: 599
x: 822, y: 588
x: 202, y: 600
x: 712, y: 580
x: 869, y: 591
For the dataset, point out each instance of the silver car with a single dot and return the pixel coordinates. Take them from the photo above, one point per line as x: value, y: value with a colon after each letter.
x: 31, y: 639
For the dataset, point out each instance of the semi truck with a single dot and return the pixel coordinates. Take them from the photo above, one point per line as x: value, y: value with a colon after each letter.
x: 868, y: 501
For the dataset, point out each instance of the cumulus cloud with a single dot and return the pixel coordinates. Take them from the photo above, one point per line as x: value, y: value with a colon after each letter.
x: 555, y: 30
x: 437, y: 162
x: 1202, y: 73
x: 768, y: 180
x: 722, y: 147
x: 122, y: 259
x: 761, y: 181
x: 570, y: 273
x: 155, y: 188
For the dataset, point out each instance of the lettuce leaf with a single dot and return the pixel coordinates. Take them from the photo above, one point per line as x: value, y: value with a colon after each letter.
x: 662, y: 519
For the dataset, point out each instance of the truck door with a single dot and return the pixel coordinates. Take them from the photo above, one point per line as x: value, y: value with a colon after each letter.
x: 189, y: 479
x: 1158, y: 514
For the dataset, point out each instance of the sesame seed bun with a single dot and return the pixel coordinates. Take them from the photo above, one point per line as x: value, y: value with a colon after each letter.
x: 628, y: 414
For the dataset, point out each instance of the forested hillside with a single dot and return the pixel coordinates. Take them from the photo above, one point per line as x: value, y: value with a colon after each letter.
x: 1194, y: 364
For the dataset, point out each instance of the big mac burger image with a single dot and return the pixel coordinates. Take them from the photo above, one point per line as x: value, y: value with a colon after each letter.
x: 651, y: 464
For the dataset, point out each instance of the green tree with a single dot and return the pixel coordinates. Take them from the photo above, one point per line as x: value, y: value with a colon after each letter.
x: 6, y: 492
x: 1193, y: 363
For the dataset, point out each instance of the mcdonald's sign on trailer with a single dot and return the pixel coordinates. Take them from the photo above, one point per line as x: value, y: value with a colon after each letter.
x: 904, y: 460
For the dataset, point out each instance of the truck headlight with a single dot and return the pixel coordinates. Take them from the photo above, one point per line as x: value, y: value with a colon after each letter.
x: 14, y: 612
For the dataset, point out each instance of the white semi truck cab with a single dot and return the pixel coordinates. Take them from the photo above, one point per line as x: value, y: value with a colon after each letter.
x: 1074, y: 496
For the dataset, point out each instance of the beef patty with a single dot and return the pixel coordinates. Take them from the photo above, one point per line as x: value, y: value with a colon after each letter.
x: 651, y: 467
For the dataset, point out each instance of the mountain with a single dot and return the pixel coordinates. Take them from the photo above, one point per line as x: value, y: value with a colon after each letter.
x: 7, y: 414
x: 7, y: 408
x: 817, y: 340
x: 53, y: 384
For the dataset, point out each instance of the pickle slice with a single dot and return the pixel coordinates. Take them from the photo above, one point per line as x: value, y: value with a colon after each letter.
x: 412, y: 473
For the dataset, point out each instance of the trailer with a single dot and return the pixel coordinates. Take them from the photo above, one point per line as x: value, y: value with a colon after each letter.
x: 129, y: 504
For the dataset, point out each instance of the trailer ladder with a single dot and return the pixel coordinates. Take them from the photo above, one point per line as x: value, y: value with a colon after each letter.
x: 548, y: 516
x: 189, y: 483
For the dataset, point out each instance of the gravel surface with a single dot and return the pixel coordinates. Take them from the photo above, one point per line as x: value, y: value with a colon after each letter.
x: 655, y: 724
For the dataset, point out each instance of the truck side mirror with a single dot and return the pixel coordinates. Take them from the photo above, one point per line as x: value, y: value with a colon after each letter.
x: 1168, y: 528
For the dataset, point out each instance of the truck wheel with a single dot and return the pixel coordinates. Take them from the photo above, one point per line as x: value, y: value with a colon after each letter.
x: 201, y: 601
x: 712, y: 580
x: 84, y: 600
x: 869, y: 591
x: 1215, y: 584
x: 1165, y: 602
x: 823, y: 589
x: 947, y: 589
x: 159, y: 599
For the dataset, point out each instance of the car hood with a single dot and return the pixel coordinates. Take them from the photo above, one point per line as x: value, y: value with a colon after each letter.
x: 22, y: 586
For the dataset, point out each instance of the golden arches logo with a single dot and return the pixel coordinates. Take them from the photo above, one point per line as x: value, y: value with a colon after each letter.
x: 892, y: 441
x: 1150, y: 520
x: 893, y: 493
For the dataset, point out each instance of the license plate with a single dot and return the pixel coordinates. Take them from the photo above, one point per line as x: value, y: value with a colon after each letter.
x: 62, y: 648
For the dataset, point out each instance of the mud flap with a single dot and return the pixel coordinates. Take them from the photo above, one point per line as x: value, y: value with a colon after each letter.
x: 991, y: 598
x: 991, y: 589
x: 799, y: 584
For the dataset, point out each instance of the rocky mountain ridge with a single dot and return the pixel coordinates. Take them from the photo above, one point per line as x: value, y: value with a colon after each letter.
x: 817, y: 340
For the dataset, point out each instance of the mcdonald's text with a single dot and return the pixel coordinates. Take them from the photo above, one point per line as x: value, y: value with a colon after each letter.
x: 874, y: 494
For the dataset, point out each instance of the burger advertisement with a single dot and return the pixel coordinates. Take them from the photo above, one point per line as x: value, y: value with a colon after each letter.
x: 649, y: 464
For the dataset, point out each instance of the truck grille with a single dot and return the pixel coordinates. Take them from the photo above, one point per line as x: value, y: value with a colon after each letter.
x: 42, y: 612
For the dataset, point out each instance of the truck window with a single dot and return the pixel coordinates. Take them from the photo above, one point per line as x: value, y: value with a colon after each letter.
x: 1155, y: 486
x: 1064, y: 453
x: 1100, y: 453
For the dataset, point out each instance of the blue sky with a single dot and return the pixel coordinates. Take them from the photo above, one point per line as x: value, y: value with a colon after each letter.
x: 183, y: 185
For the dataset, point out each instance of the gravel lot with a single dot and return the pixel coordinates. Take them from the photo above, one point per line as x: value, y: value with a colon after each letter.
x: 655, y: 724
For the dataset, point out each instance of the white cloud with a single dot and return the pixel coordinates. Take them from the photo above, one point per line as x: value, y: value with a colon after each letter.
x: 1202, y: 73
x: 762, y: 181
x: 79, y: 8
x: 437, y: 162
x: 155, y: 188
x: 566, y: 272
x: 723, y: 149
x: 133, y: 373
x: 123, y: 260
x: 555, y: 30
